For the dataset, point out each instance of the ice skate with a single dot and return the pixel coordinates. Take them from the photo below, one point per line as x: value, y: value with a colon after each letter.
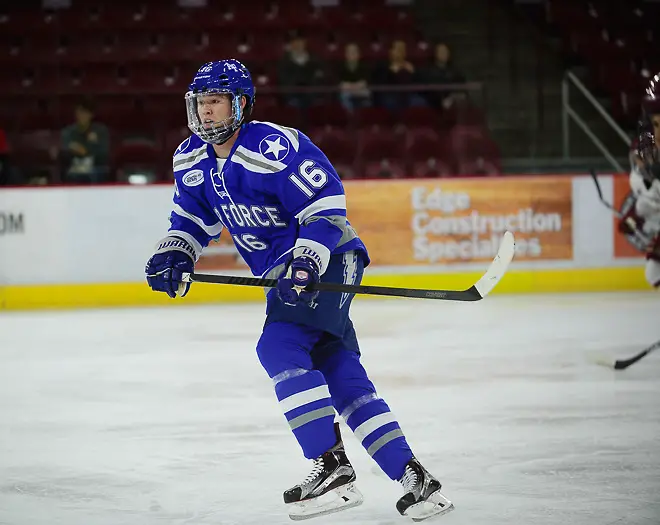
x: 328, y: 488
x: 422, y: 498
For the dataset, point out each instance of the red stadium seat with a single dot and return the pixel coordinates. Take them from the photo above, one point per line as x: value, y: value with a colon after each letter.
x: 462, y: 113
x: 327, y: 115
x: 463, y: 134
x: 478, y: 156
x: 337, y: 144
x: 432, y: 168
x: 175, y: 46
x: 384, y: 169
x: 173, y: 138
x: 34, y: 152
x: 422, y: 143
x: 168, y: 111
x: 419, y: 116
x: 479, y: 166
x: 373, y: 116
x: 137, y: 157
x: 279, y: 114
x: 346, y: 171
x: 33, y: 51
x: 145, y: 78
x: 376, y: 144
x: 35, y: 21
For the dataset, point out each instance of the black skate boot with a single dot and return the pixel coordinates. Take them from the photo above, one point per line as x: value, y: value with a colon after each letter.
x: 328, y: 488
x: 422, y: 498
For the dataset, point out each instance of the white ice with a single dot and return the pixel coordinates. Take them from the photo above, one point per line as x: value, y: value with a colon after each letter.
x: 164, y: 416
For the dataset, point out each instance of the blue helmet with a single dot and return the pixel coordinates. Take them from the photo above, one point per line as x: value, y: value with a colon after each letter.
x: 225, y: 77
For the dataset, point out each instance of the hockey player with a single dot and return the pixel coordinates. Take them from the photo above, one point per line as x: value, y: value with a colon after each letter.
x: 643, y: 218
x: 282, y: 202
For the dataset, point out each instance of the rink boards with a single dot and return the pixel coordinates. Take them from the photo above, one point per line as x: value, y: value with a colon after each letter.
x: 87, y: 246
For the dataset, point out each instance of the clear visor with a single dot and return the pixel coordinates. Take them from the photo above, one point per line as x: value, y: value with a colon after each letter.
x: 214, y: 115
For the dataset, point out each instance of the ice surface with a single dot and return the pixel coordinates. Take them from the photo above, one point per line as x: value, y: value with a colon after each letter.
x: 164, y: 416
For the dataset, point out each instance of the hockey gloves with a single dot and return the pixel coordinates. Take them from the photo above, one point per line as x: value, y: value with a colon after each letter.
x: 173, y: 257
x: 302, y: 272
x: 631, y: 222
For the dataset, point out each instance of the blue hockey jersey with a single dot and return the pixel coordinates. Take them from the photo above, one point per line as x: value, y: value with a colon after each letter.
x: 275, y: 192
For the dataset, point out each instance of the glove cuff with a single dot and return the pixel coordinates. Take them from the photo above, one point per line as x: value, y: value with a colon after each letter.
x: 176, y: 244
x: 316, y: 252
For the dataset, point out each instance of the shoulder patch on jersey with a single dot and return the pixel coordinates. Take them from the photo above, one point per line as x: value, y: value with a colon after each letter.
x: 193, y: 178
x: 274, y: 147
x: 291, y: 134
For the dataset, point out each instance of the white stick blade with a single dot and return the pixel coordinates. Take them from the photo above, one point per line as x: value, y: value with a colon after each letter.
x: 498, y: 267
x: 607, y: 362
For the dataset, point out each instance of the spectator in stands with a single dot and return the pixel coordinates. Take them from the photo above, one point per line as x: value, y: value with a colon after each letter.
x: 85, y: 147
x: 4, y: 159
x: 353, y: 76
x: 442, y: 72
x: 398, y: 71
x: 299, y: 68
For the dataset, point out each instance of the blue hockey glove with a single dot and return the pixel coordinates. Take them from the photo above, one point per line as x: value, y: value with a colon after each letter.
x: 173, y: 257
x: 301, y: 272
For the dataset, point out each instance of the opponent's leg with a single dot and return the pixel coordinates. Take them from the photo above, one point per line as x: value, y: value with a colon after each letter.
x: 652, y: 272
x: 284, y: 351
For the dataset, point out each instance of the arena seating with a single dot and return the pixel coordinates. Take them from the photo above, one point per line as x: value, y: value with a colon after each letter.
x: 618, y: 41
x: 137, y: 58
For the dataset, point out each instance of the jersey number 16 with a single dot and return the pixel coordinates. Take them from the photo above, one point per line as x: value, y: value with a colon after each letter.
x: 309, y: 176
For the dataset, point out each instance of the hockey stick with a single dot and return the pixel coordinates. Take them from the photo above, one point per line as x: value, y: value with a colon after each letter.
x: 631, y: 223
x: 616, y: 212
x: 476, y: 292
x: 622, y: 364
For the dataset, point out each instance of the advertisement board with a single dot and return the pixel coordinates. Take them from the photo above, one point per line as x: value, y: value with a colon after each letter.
x: 87, y: 246
x: 462, y: 220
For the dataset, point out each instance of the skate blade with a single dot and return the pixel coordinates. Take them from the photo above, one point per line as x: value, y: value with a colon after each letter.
x: 435, y: 505
x: 342, y: 498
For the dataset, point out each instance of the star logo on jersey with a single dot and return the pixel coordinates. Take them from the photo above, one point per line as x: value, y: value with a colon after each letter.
x: 274, y: 147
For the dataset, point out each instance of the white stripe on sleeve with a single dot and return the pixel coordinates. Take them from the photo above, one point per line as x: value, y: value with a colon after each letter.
x: 212, y: 230
x: 334, y: 202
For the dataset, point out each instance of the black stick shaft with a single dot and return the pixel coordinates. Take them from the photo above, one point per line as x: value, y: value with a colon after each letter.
x: 471, y: 294
x: 476, y: 292
x: 638, y: 234
x: 622, y: 364
x: 600, y: 194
